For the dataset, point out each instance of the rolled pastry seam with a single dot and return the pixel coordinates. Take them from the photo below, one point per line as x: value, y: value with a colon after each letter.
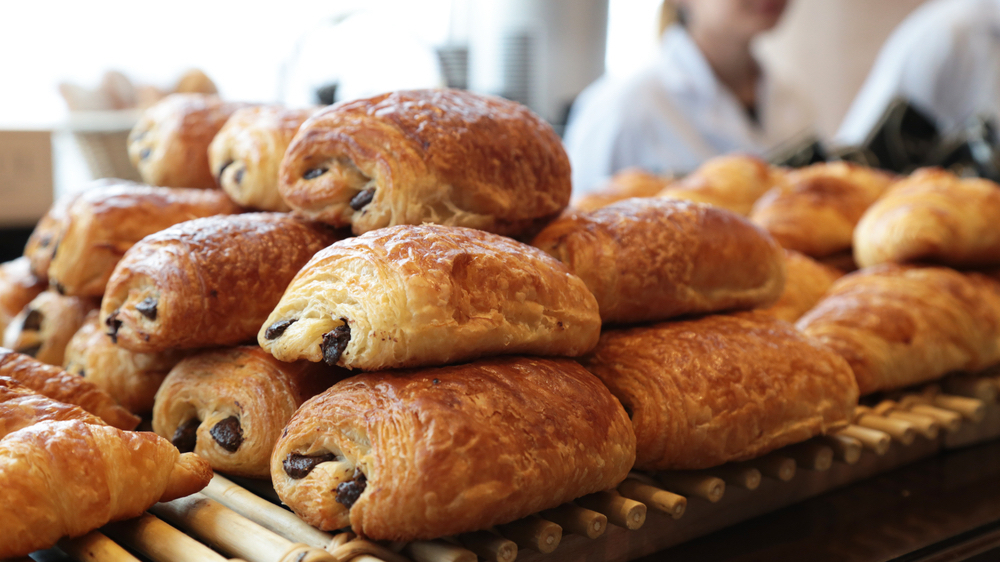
x: 410, y: 296
x: 43, y: 329
x: 230, y: 405
x: 206, y: 282
x: 18, y: 287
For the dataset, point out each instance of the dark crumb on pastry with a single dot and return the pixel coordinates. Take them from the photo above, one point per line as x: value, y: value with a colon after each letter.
x: 82, y: 373
x: 186, y: 435
x: 33, y: 320
x: 299, y: 466
x: 114, y: 323
x: 55, y: 249
x: 436, y: 381
x: 31, y: 350
x: 275, y: 330
x: 222, y: 170
x: 349, y: 492
x: 313, y: 173
x: 238, y: 176
x: 147, y: 307
x: 362, y: 199
x: 228, y: 433
x: 45, y: 241
x: 335, y: 342
x: 59, y: 288
x: 144, y: 153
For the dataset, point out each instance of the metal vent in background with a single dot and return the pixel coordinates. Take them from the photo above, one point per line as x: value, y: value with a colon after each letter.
x: 455, y: 65
x: 518, y: 58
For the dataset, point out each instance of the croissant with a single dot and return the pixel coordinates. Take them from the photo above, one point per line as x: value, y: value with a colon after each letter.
x: 722, y: 388
x: 44, y: 327
x: 625, y: 184
x: 247, y: 151
x: 107, y: 219
x: 409, y: 296
x: 230, y: 405
x: 805, y: 284
x: 434, y: 452
x: 732, y: 182
x: 131, y: 378
x: 206, y: 282
x: 815, y: 211
x: 898, y: 325
x: 932, y: 216
x: 69, y: 477
x: 653, y: 259
x: 169, y: 144
x: 64, y: 387
x: 18, y: 287
x: 21, y: 406
x: 442, y: 156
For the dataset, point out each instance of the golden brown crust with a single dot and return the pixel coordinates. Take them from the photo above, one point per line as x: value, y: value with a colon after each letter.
x: 247, y: 152
x: 932, y: 216
x: 732, y: 182
x: 169, y: 144
x: 815, y: 211
x: 46, y: 324
x: 132, y: 379
x: 722, y: 388
x: 18, y: 287
x: 442, y: 156
x: 206, y: 282
x: 625, y: 184
x: 69, y: 477
x: 41, y: 244
x: 430, y: 295
x: 805, y: 284
x: 21, y: 406
x: 107, y: 219
x: 454, y: 449
x: 653, y: 259
x: 64, y: 387
x: 898, y: 326
x: 243, y: 390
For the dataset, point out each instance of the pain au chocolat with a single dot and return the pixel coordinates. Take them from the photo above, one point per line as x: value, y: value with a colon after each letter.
x: 206, y: 282
x: 18, y: 287
x: 648, y: 259
x: 230, y: 405
x: 806, y: 282
x: 404, y: 455
x: 733, y: 182
x: 46, y: 324
x: 626, y: 184
x: 409, y: 296
x: 441, y: 156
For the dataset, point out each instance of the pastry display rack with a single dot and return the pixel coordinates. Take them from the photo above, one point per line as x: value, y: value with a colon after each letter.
x: 647, y: 513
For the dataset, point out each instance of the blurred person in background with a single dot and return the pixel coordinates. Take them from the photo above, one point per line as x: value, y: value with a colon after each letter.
x: 705, y: 95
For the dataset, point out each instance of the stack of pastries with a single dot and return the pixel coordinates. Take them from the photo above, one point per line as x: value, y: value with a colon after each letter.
x: 388, y: 311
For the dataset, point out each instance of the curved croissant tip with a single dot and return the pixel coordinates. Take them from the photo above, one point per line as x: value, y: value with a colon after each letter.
x: 191, y: 474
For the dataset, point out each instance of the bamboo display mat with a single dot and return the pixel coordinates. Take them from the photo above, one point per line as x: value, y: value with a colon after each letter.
x: 647, y: 513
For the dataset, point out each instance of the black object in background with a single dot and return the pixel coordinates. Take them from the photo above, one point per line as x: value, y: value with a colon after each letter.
x: 12, y: 241
x: 903, y: 139
x: 799, y: 153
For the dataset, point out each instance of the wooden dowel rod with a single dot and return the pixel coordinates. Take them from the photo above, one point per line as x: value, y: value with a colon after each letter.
x: 366, y: 558
x: 872, y: 439
x: 265, y: 513
x: 232, y: 533
x: 971, y: 409
x: 358, y: 547
x: 533, y: 532
x: 668, y: 502
x: 739, y: 475
x: 489, y: 547
x: 578, y: 520
x: 97, y: 547
x: 438, y: 551
x: 159, y: 541
x: 845, y: 449
x: 339, y: 540
x: 813, y: 455
x: 774, y: 466
x: 262, y: 488
x: 925, y: 425
x: 694, y: 485
x: 619, y: 510
x: 979, y: 388
x: 897, y: 429
x: 950, y: 421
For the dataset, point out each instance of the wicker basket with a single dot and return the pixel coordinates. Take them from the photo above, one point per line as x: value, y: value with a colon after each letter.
x: 102, y: 137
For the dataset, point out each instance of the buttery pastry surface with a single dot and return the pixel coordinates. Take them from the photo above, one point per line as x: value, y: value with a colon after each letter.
x: 805, y: 284
x: 426, y: 453
x: 246, y: 154
x: 107, y: 219
x: 441, y: 156
x: 46, y: 324
x: 18, y: 287
x: 647, y: 259
x: 206, y: 282
x: 21, y: 406
x: 41, y: 245
x: 722, y: 388
x: 230, y: 405
x: 409, y: 296
x: 816, y: 210
x: 732, y: 182
x: 628, y: 183
x: 169, y: 144
x: 64, y: 387
x: 932, y: 216
x: 900, y: 325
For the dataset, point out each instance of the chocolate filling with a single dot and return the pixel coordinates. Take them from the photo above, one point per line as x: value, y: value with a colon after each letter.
x: 228, y: 434
x: 114, y: 323
x: 299, y: 466
x: 275, y: 330
x: 349, y: 492
x: 313, y: 173
x: 33, y: 320
x: 222, y: 170
x: 147, y: 307
x: 58, y: 287
x: 144, y: 153
x: 238, y: 176
x: 31, y: 350
x: 362, y: 198
x: 186, y: 436
x: 45, y: 241
x: 335, y: 342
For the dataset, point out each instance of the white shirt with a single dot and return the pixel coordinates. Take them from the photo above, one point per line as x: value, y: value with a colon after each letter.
x: 944, y: 58
x: 673, y: 116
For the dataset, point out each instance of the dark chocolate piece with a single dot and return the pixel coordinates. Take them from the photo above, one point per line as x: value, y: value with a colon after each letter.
x: 299, y: 466
x: 238, y: 176
x: 114, y: 323
x: 335, y: 342
x: 222, y: 170
x: 186, y: 436
x: 147, y: 307
x: 144, y: 153
x: 313, y: 173
x: 363, y: 198
x: 228, y: 433
x: 349, y: 492
x: 275, y: 330
x: 33, y: 320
